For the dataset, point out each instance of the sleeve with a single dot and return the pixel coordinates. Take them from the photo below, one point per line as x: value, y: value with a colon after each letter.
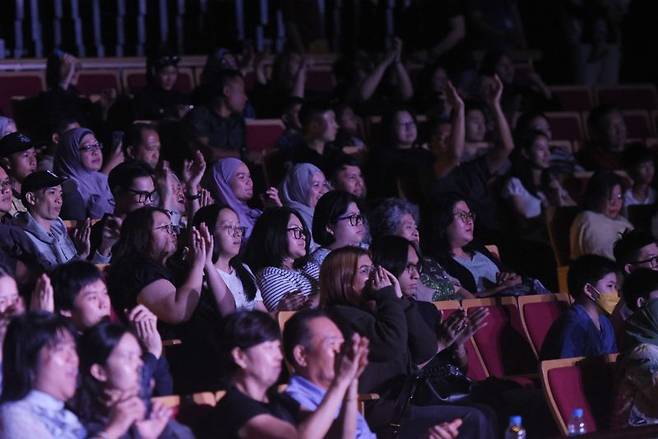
x: 98, y: 258
x: 388, y: 330
x: 198, y: 123
x: 17, y: 422
x: 513, y: 188
x: 235, y: 410
x: 273, y: 287
x: 422, y: 338
x: 589, y: 240
x: 156, y: 370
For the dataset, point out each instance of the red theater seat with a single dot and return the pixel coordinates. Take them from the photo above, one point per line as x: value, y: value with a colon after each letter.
x: 262, y: 134
x: 135, y: 80
x: 573, y: 97
x: 628, y: 97
x: 566, y: 125
x: 95, y: 82
x: 25, y: 84
x: 638, y: 124
x: 538, y: 314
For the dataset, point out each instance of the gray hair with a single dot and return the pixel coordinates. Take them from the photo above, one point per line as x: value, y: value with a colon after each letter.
x: 386, y: 217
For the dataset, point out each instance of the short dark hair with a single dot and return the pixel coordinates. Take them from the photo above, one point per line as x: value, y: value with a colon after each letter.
x: 391, y: 252
x: 295, y: 331
x: 219, y: 81
x: 599, y: 113
x: 598, y: 190
x: 330, y: 206
x: 388, y: 124
x: 628, y: 246
x: 639, y: 284
x: 134, y: 133
x: 26, y: 335
x: 524, y: 121
x: 268, y: 243
x: 309, y: 112
x: 339, y: 163
x: 245, y: 329
x: 123, y: 175
x: 68, y: 279
x: 635, y: 155
x: 588, y: 269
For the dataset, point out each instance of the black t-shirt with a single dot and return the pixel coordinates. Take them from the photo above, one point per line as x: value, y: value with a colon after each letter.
x: 222, y: 133
x: 128, y: 277
x: 236, y: 409
x: 155, y: 103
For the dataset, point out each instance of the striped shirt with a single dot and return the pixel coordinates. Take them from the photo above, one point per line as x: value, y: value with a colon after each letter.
x: 274, y: 283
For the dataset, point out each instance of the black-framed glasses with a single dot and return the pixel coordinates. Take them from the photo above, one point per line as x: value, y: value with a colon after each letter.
x: 355, y: 219
x: 169, y: 228
x: 653, y: 261
x: 238, y: 231
x: 143, y: 196
x: 465, y: 216
x: 91, y: 147
x: 411, y: 268
x: 297, y: 232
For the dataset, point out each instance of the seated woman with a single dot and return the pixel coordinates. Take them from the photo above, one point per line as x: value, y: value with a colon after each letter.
x: 337, y: 222
x: 234, y: 285
x: 251, y: 350
x: 595, y: 230
x: 367, y: 300
x: 141, y: 270
x: 160, y: 99
x: 230, y: 183
x: 398, y: 217
x: 112, y: 374
x: 301, y: 189
x: 471, y: 263
x: 277, y: 252
x: 40, y: 367
x: 79, y: 157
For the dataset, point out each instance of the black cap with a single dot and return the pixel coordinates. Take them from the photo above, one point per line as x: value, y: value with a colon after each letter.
x: 14, y: 142
x: 40, y: 180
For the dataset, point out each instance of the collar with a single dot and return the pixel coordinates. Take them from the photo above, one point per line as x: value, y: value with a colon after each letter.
x: 42, y: 399
x: 313, y: 391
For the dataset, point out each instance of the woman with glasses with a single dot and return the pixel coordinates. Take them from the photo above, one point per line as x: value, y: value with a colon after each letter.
x: 79, y: 158
x: 398, y: 217
x: 301, y: 189
x: 143, y: 270
x: 278, y: 251
x: 337, y: 222
x: 477, y: 269
x: 596, y: 230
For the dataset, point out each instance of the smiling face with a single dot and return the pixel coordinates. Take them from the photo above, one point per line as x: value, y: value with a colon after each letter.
x: 5, y: 192
x: 476, y: 126
x: 91, y: 153
x: 319, y: 187
x: 163, y: 238
x: 241, y: 183
x: 262, y: 362
x: 404, y: 129
x: 123, y: 368
x: 227, y: 233
x: 460, y: 231
x: 45, y: 203
x: 319, y: 355
x: 57, y: 368
x: 350, y: 179
x: 540, y: 153
x: 296, y: 245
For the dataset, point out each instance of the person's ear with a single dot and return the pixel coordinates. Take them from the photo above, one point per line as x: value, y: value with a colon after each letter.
x: 640, y: 302
x: 98, y: 372
x: 329, y: 230
x: 5, y: 163
x: 130, y: 152
x: 239, y: 357
x: 30, y: 198
x: 299, y: 355
x: 628, y: 268
x: 55, y: 138
x: 590, y: 292
x: 66, y: 313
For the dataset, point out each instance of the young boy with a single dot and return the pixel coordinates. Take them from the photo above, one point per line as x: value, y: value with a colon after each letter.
x: 584, y: 329
x: 638, y: 163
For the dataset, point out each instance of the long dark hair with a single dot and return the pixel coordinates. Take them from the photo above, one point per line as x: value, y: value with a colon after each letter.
x: 94, y: 347
x: 392, y: 252
x: 268, y: 243
x: 26, y: 335
x: 135, y: 238
x: 599, y: 188
x: 208, y: 215
x: 521, y: 166
x: 442, y: 217
x: 330, y: 206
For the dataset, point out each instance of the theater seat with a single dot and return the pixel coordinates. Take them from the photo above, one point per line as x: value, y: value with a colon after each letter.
x: 320, y: 79
x: 190, y: 409
x: 640, y: 216
x: 579, y: 382
x: 573, y: 97
x: 25, y: 84
x: 538, y: 314
x: 262, y: 134
x: 95, y: 82
x: 638, y: 124
x: 628, y: 97
x: 566, y: 125
x: 135, y: 79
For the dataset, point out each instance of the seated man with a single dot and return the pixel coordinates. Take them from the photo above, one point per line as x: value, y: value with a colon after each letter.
x: 319, y: 129
x: 584, y: 329
x: 18, y: 156
x: 345, y: 175
x: 143, y: 143
x: 42, y: 195
x: 80, y: 294
x: 311, y: 341
x: 635, y: 400
x: 607, y: 131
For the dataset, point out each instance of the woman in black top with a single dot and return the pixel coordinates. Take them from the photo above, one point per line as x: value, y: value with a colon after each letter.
x: 251, y: 348
x: 159, y: 99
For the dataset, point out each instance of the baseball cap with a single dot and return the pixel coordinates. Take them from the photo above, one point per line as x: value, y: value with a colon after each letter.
x: 15, y: 142
x: 40, y: 180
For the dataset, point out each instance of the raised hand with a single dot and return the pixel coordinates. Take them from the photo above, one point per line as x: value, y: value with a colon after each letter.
x: 193, y: 171
x: 446, y: 430
x: 271, y: 197
x: 198, y: 251
x: 124, y: 412
x: 152, y: 427
x: 353, y: 358
x: 43, y: 296
x: 110, y: 234
x: 82, y: 238
x: 452, y: 96
x: 206, y: 199
x: 394, y: 281
x: 379, y: 279
x: 492, y: 90
x: 209, y: 242
x: 146, y: 327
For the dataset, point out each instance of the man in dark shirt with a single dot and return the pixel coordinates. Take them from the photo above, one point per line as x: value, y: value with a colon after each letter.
x: 218, y: 128
x: 584, y: 329
x: 319, y: 128
x: 608, y: 139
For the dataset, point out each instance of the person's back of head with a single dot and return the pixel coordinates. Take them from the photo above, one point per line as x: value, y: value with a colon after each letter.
x: 585, y: 272
x: 628, y: 249
x: 640, y: 287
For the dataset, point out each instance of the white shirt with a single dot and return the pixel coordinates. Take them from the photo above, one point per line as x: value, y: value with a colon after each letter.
x: 630, y: 200
x: 234, y: 285
x: 530, y: 204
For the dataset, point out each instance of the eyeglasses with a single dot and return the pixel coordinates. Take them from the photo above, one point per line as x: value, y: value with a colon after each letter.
x: 653, y: 261
x: 297, y: 232
x: 465, y: 216
x: 91, y: 147
x: 237, y: 231
x: 355, y: 219
x: 143, y: 196
x: 411, y: 268
x: 169, y: 228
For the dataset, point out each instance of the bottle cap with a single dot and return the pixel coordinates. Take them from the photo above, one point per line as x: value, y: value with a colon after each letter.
x: 578, y: 412
x: 515, y: 420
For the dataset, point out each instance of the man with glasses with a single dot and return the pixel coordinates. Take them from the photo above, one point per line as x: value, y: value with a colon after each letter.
x: 18, y: 157
x: 133, y: 187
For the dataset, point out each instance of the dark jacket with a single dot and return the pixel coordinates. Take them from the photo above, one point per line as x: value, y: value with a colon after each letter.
x: 461, y: 273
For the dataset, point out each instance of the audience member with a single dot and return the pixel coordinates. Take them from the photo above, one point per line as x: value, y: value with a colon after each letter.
x: 292, y: 138
x: 337, y: 223
x: 79, y: 158
x: 319, y: 130
x: 345, y: 174
x: 278, y: 252
x: 585, y: 330
x: 607, y: 131
x: 160, y: 99
x: 595, y: 230
x: 301, y: 189
x: 638, y: 162
x: 18, y: 157
x: 349, y: 139
x: 142, y: 142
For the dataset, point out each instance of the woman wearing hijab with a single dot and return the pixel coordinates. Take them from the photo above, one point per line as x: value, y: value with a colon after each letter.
x: 79, y: 157
x: 301, y: 190
x: 7, y: 126
x: 230, y: 183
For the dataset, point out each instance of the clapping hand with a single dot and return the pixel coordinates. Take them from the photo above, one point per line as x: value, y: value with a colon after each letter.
x: 146, y: 327
x: 43, y: 296
x: 353, y: 359
x: 492, y: 90
x: 82, y: 238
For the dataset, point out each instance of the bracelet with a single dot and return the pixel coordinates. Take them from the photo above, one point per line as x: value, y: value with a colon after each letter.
x: 193, y: 197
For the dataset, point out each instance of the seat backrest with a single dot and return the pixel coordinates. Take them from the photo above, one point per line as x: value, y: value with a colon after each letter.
x: 628, y: 97
x: 320, y: 79
x: 638, y: 124
x: 274, y: 165
x: 135, y: 79
x: 501, y: 342
x: 640, y: 216
x: 538, y: 314
x: 558, y: 232
x: 94, y: 82
x: 566, y: 125
x: 262, y: 134
x: 573, y: 97
x: 25, y: 84
x: 585, y: 383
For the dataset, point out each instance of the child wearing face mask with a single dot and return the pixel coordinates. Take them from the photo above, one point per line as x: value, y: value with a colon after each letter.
x: 585, y: 328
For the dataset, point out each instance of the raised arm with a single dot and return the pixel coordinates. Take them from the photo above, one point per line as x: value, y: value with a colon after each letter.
x: 456, y: 33
x: 223, y: 296
x: 492, y: 90
x: 371, y: 82
x: 448, y: 160
x: 299, y: 82
x: 405, y: 86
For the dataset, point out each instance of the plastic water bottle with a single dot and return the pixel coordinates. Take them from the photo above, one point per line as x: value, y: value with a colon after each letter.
x: 576, y: 423
x: 515, y: 429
